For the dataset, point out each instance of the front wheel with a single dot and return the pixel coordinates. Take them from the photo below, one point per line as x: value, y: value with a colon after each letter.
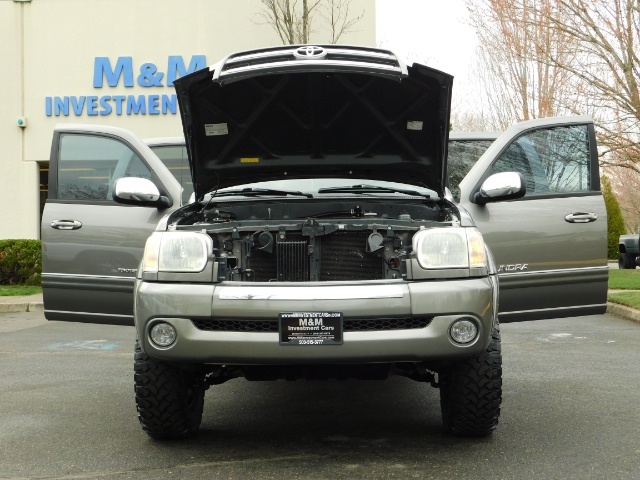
x: 169, y: 400
x: 626, y: 261
x: 471, y: 392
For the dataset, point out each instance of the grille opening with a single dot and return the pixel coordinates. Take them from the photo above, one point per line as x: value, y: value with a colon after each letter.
x: 349, y: 324
x: 292, y: 261
x: 341, y: 256
x: 344, y: 257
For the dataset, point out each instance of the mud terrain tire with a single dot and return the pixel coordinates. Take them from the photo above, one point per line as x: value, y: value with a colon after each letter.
x: 471, y: 392
x: 169, y: 400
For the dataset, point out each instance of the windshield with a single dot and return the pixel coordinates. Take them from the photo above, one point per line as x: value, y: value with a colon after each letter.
x: 175, y: 159
x: 314, y: 186
x: 463, y: 154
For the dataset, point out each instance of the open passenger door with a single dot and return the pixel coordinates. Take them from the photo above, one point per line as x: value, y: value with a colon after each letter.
x: 550, y: 246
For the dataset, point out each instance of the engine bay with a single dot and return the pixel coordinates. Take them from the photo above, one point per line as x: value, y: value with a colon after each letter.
x: 306, y: 240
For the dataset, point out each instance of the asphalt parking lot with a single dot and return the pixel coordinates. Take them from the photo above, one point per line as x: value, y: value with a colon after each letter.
x: 571, y: 409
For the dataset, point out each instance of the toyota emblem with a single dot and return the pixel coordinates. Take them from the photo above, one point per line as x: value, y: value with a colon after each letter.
x: 310, y: 52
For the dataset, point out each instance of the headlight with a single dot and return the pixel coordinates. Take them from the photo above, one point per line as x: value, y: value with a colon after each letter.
x: 454, y: 247
x: 176, y: 252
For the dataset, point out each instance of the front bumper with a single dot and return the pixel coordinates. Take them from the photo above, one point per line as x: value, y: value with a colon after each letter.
x: 443, y: 301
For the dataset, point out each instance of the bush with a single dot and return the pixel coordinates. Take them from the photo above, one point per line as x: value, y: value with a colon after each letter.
x: 20, y: 262
x: 615, y: 221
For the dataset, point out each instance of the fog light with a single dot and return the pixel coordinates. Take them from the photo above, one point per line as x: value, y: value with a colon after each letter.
x: 163, y: 334
x: 463, y: 331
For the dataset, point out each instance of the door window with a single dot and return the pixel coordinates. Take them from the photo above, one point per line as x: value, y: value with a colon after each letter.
x: 551, y: 160
x: 88, y: 166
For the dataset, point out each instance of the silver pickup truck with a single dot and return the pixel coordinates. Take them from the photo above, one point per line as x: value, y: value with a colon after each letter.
x: 323, y: 239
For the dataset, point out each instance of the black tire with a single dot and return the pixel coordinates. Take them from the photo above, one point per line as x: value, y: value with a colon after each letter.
x: 471, y: 392
x: 169, y: 400
x: 626, y: 261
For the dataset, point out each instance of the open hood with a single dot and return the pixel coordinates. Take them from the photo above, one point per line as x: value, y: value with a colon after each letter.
x: 315, y: 111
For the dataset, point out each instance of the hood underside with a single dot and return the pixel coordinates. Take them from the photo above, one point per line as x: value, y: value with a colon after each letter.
x: 313, y: 112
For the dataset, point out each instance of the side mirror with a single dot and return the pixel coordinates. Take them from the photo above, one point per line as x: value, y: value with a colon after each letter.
x: 138, y: 191
x: 501, y: 186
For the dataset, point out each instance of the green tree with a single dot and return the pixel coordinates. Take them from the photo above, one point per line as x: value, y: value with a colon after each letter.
x: 615, y: 221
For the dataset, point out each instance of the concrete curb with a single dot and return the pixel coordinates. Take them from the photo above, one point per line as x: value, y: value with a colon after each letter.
x: 621, y: 311
x: 21, y: 307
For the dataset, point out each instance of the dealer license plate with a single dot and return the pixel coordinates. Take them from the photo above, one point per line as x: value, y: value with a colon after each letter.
x: 310, y: 328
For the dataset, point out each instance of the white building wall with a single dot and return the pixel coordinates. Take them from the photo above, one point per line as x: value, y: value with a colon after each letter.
x: 49, y: 49
x: 19, y: 185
